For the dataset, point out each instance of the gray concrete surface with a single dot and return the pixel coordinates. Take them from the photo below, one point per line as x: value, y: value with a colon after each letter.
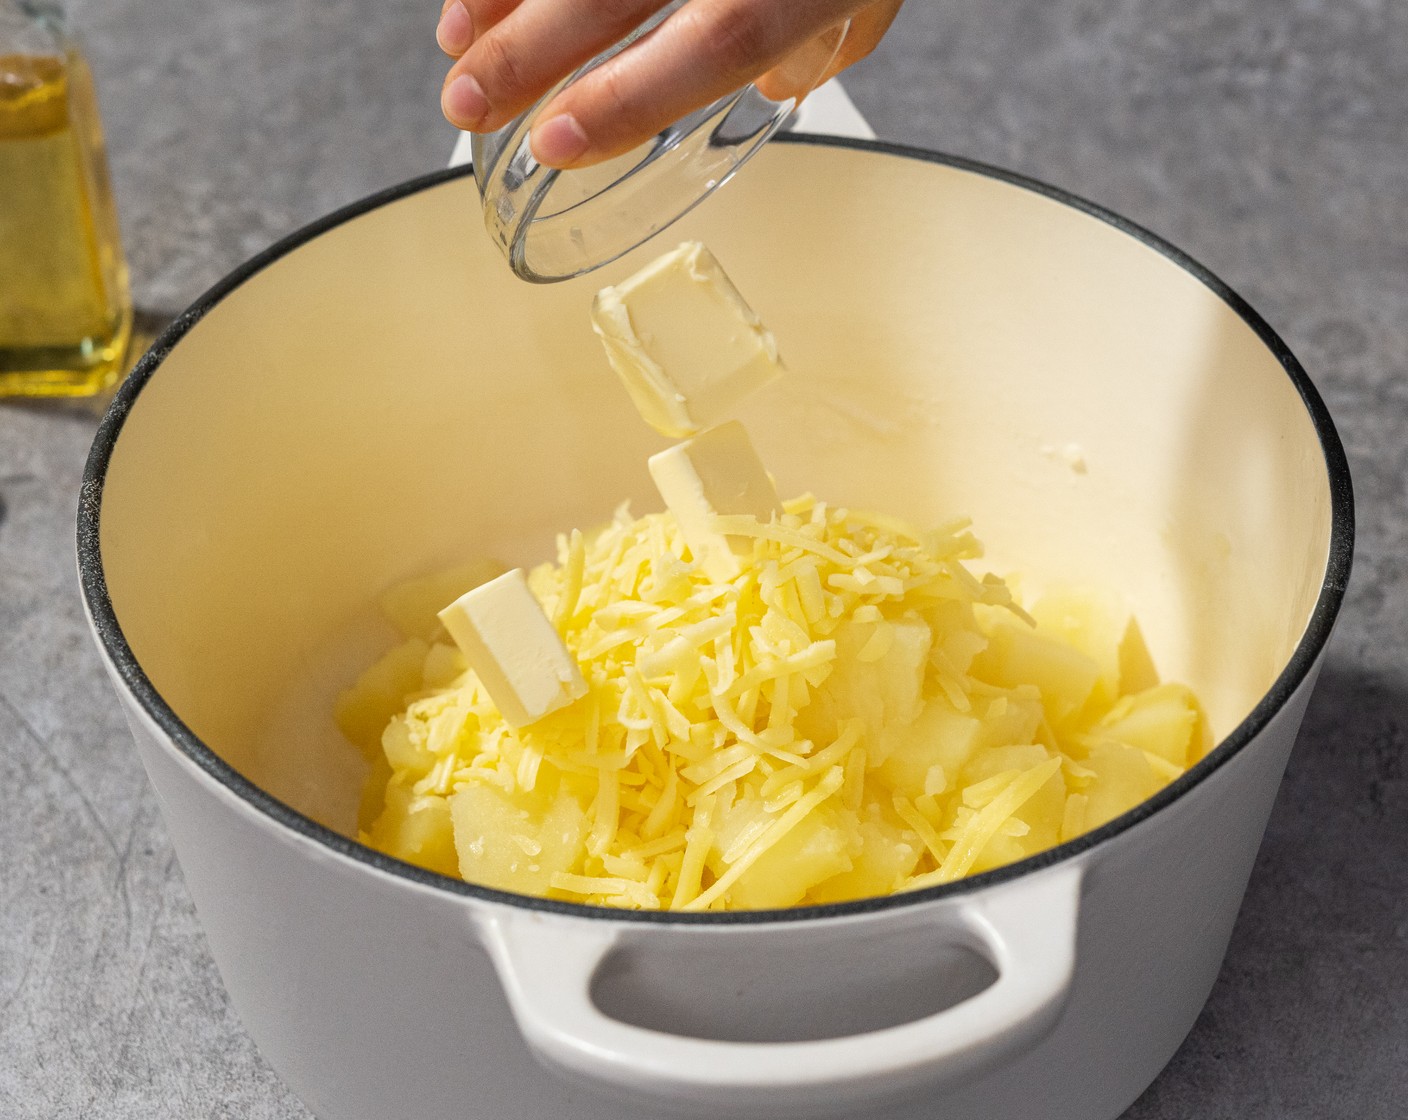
x: 1266, y: 137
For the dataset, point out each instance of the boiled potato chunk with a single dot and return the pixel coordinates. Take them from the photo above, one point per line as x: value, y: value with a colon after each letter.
x: 943, y: 736
x: 1137, y: 670
x: 940, y: 736
x: 1123, y: 778
x: 1037, y: 822
x: 998, y: 852
x: 406, y: 753
x: 878, y: 678
x: 416, y: 829
x: 1099, y: 626
x: 1010, y: 719
x: 1162, y: 721
x: 413, y: 606
x: 957, y: 638
x: 516, y: 846
x: 364, y: 710
x: 1017, y: 655
x: 815, y: 850
x: 887, y: 856
x: 1043, y: 814
x: 1093, y: 625
x: 999, y: 760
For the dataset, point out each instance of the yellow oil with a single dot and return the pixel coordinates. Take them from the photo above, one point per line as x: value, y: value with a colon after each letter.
x: 65, y: 312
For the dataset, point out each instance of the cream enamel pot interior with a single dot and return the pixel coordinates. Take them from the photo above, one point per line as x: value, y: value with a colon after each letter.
x: 377, y: 397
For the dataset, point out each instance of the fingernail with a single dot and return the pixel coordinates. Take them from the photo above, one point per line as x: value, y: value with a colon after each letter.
x: 558, y: 140
x: 455, y: 31
x: 464, y: 102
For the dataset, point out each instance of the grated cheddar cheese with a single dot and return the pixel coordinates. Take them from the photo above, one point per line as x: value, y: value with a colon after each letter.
x: 853, y: 713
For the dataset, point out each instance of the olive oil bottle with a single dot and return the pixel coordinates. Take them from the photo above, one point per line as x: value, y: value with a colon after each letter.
x: 65, y: 311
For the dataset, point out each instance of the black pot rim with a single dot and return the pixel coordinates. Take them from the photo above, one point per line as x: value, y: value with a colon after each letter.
x: 1302, y: 661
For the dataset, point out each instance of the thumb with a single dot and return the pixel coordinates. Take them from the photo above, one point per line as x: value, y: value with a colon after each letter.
x: 827, y: 54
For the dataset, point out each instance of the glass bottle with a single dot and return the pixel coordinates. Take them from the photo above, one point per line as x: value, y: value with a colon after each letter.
x: 65, y: 309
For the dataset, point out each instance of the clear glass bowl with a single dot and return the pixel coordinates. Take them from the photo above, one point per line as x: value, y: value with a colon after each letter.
x: 553, y: 225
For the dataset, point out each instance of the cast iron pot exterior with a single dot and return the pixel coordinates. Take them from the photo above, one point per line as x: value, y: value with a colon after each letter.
x: 376, y: 989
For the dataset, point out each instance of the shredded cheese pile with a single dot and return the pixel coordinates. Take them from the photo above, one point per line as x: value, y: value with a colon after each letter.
x: 838, y: 720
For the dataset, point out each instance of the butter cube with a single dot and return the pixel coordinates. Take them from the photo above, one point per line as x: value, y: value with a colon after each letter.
x: 513, y: 647
x: 717, y: 473
x: 684, y: 342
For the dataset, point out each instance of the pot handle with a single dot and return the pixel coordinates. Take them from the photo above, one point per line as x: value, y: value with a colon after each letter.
x: 1027, y: 930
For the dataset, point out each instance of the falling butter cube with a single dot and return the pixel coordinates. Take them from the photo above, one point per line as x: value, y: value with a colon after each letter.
x: 715, y: 474
x: 512, y: 646
x: 684, y: 342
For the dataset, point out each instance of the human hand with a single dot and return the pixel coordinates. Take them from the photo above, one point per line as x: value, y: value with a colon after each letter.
x: 508, y: 53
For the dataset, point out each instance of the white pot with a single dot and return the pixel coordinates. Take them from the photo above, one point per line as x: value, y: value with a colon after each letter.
x: 377, y: 397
